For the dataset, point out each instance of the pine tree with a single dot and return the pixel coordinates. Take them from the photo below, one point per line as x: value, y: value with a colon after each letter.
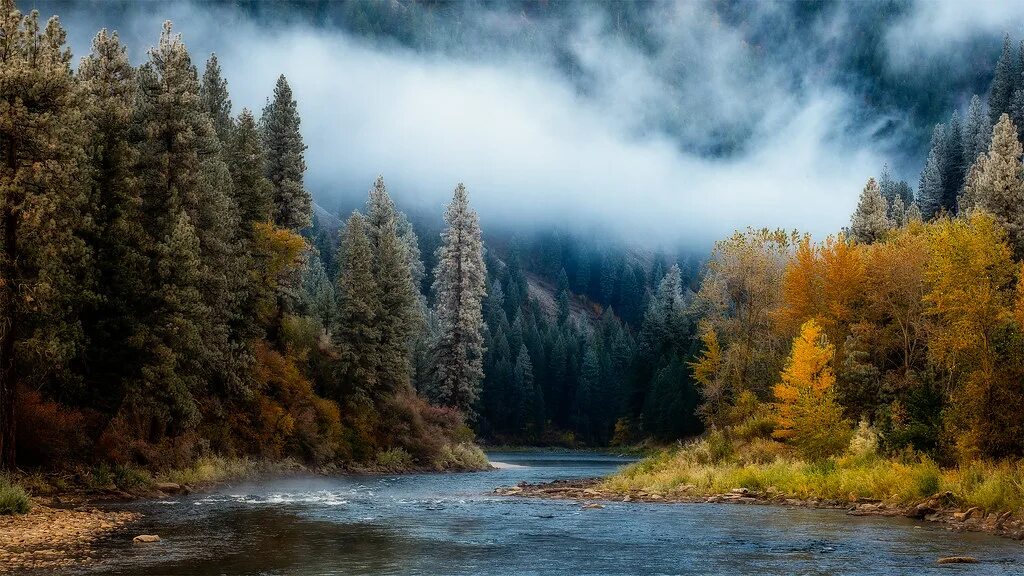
x: 930, y: 192
x: 953, y: 166
x: 914, y: 213
x: 357, y: 335
x: 529, y: 400
x: 41, y: 199
x: 898, y: 212
x: 317, y: 298
x: 870, y: 221
x: 252, y: 191
x: 459, y: 285
x: 1004, y: 81
x: 397, y: 314
x: 999, y: 189
x: 562, y: 298
x: 286, y: 165
x: 112, y: 325
x: 977, y: 132
x: 886, y: 184
x: 181, y: 169
x: 215, y: 100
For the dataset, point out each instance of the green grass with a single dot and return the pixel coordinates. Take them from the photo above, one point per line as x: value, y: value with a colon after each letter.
x: 706, y: 467
x: 13, y: 498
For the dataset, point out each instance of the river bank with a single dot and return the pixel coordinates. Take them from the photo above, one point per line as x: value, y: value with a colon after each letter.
x: 939, y: 508
x: 69, y: 510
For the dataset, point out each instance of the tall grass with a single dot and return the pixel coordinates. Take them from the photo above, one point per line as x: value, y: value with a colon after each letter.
x: 212, y: 469
x: 13, y: 498
x: 706, y: 468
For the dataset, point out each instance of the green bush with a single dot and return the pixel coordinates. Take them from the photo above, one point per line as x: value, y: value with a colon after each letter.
x: 13, y: 498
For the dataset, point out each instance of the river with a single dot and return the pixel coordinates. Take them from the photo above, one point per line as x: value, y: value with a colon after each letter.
x: 452, y: 524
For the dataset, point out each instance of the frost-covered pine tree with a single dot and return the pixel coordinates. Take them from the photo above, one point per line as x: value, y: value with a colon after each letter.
x: 898, y: 212
x: 870, y: 220
x: 460, y: 286
x: 886, y: 184
x: 968, y: 199
x: 1000, y: 186
x: 976, y: 132
x: 913, y: 213
x: 930, y: 191
x: 286, y: 165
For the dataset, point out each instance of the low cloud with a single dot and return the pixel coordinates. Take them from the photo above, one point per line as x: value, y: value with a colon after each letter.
x: 685, y: 137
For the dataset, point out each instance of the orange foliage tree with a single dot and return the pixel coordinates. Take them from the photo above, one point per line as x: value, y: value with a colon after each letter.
x: 809, y: 416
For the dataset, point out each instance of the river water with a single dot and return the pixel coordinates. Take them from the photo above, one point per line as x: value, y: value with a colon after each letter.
x: 452, y: 524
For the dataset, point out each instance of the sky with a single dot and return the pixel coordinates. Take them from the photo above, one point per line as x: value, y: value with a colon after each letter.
x: 661, y: 122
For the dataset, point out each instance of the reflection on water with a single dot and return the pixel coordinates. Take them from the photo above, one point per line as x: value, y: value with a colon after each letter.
x: 451, y: 524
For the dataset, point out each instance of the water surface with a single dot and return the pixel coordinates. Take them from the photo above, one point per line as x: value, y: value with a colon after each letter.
x: 452, y: 524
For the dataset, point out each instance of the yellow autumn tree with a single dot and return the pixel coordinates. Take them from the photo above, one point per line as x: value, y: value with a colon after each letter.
x: 971, y: 277
x: 705, y: 372
x: 809, y: 416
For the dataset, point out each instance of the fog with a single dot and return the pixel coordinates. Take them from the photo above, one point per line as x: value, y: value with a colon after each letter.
x: 715, y: 116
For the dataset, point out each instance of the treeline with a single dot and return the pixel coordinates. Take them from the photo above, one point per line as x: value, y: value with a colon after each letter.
x: 586, y: 343
x: 913, y: 328
x: 158, y: 300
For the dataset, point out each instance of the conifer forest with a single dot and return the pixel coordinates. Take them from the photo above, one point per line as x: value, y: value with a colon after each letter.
x: 354, y: 238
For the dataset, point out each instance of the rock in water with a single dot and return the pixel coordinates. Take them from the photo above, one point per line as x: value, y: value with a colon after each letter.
x: 146, y: 539
x: 168, y: 487
x: 958, y: 560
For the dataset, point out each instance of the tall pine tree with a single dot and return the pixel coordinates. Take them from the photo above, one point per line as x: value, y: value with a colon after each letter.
x: 459, y: 286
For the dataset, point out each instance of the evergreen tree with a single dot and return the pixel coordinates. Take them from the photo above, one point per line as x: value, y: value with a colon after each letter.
x: 930, y: 192
x: 870, y: 221
x: 529, y: 400
x: 397, y: 315
x: 286, y: 165
x: 112, y: 324
x: 317, y: 297
x: 41, y: 199
x: 562, y: 298
x: 357, y: 334
x: 213, y: 94
x: 898, y: 212
x: 459, y: 286
x: 1004, y: 81
x: 999, y: 189
x: 976, y: 133
x: 251, y: 189
x: 953, y: 166
x: 182, y: 170
x: 886, y: 184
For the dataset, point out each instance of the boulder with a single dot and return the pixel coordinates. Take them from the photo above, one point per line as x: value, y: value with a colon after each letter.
x: 920, y: 511
x: 168, y: 487
x: 741, y: 491
x: 146, y: 539
x: 593, y: 506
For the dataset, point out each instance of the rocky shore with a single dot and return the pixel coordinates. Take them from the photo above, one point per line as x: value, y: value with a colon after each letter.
x: 55, y: 534
x: 939, y: 508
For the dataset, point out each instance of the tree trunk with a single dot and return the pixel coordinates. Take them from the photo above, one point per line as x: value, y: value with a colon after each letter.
x: 8, y: 378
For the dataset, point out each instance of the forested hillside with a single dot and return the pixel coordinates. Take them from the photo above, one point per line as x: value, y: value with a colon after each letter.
x: 159, y: 302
